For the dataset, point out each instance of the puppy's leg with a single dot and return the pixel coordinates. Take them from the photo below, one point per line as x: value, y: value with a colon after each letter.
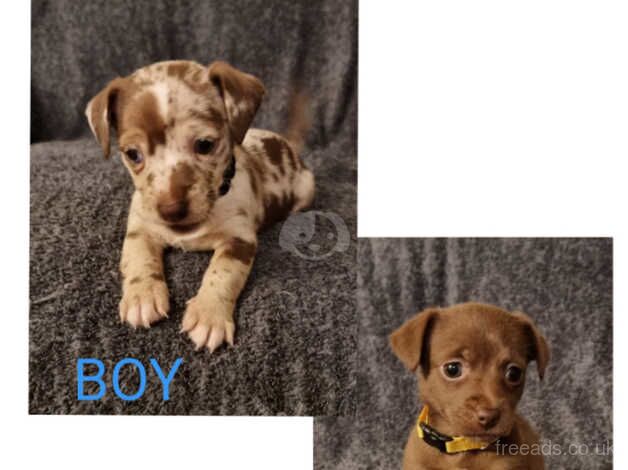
x: 208, y: 319
x: 144, y: 290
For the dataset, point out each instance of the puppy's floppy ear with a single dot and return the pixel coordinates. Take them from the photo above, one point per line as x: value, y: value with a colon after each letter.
x: 242, y: 94
x: 410, y: 341
x: 100, y: 112
x: 538, y: 350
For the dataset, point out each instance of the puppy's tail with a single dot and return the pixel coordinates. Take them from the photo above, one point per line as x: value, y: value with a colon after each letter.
x: 299, y: 120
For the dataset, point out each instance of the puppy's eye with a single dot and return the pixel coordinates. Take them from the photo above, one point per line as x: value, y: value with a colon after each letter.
x: 134, y: 156
x: 203, y: 146
x: 453, y: 370
x: 514, y: 374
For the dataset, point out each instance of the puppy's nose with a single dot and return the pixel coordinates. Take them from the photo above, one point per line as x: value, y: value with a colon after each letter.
x: 488, y: 417
x: 173, y: 211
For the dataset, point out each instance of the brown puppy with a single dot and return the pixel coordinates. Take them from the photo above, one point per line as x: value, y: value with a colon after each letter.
x: 471, y: 360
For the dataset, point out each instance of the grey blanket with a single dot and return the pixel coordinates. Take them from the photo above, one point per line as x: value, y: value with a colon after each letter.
x: 295, y: 339
x: 564, y: 284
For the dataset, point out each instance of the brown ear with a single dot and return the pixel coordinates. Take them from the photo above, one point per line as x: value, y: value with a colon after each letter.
x: 100, y: 112
x: 409, y: 341
x: 539, y: 350
x: 242, y: 94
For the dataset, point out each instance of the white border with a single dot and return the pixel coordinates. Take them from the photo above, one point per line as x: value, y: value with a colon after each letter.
x: 492, y: 118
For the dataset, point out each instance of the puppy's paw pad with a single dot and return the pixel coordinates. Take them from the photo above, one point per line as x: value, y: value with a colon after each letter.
x: 144, y: 303
x: 208, y: 324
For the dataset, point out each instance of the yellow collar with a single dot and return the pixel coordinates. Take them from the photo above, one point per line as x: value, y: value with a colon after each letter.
x: 447, y: 444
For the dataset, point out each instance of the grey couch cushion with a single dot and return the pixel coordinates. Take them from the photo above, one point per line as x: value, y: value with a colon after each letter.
x: 564, y: 284
x: 295, y: 339
x: 77, y: 47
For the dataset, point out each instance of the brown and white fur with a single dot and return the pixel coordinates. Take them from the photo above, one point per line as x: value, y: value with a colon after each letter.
x: 486, y: 342
x: 161, y: 112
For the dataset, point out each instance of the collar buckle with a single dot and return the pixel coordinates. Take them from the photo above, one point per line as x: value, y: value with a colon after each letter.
x: 444, y: 443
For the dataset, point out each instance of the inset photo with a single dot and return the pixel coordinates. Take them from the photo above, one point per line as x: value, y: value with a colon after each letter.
x: 479, y: 353
x: 193, y: 207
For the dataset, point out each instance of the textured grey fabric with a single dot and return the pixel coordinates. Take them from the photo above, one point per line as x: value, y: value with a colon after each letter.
x: 295, y: 338
x: 77, y: 47
x: 564, y: 284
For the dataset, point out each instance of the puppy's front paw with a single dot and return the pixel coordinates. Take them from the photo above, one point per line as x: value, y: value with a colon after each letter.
x: 144, y: 302
x: 208, y: 322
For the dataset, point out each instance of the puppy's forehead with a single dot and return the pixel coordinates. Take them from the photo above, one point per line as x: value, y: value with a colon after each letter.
x: 477, y: 332
x: 166, y: 94
x: 192, y: 75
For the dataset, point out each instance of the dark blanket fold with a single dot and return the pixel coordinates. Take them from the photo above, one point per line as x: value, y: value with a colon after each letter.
x: 295, y: 338
x: 564, y: 284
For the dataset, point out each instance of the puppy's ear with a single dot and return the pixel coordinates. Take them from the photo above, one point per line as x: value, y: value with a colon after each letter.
x: 410, y: 341
x: 100, y: 112
x: 538, y: 350
x: 242, y: 94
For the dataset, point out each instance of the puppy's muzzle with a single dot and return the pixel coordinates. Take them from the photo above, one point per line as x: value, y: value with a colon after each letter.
x: 487, y: 417
x: 173, y: 211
